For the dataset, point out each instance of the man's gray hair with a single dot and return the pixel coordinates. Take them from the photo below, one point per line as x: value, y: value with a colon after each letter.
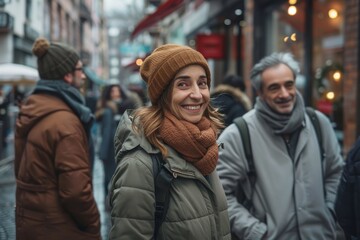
x: 270, y: 61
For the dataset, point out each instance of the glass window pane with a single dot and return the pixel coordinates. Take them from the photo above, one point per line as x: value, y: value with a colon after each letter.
x: 328, y: 51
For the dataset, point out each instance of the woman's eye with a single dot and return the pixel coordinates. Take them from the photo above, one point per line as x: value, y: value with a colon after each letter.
x: 203, y: 84
x: 182, y: 84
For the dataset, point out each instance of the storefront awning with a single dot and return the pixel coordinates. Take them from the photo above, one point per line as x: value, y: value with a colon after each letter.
x: 161, y: 12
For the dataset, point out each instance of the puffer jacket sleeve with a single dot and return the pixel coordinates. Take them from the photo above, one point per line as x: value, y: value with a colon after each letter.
x: 132, y: 198
x: 75, y: 185
x: 231, y: 168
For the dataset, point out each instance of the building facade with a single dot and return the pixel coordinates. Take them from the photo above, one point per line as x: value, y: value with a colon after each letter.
x: 78, y: 23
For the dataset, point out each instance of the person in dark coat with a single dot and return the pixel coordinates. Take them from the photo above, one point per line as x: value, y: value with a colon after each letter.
x: 54, y: 191
x: 231, y: 99
x: 4, y: 117
x: 113, y: 103
x: 347, y: 205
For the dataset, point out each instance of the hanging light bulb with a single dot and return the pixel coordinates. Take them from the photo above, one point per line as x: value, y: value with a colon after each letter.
x: 139, y: 62
x: 330, y: 95
x: 333, y: 13
x: 293, y: 37
x: 337, y: 76
x: 292, y: 10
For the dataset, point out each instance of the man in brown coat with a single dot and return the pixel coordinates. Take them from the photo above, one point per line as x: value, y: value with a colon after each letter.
x: 54, y: 195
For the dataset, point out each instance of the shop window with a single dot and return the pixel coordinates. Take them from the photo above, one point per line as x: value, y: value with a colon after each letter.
x: 328, y: 51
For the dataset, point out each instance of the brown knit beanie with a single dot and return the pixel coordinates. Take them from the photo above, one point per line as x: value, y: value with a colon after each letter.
x: 54, y: 60
x: 161, y: 66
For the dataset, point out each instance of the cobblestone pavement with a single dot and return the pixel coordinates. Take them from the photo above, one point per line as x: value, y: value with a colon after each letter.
x: 7, y: 199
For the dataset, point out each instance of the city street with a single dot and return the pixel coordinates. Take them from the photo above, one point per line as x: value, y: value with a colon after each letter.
x: 7, y: 199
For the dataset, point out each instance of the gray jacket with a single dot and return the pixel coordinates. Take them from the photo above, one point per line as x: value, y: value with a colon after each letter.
x: 197, y: 207
x: 288, y: 196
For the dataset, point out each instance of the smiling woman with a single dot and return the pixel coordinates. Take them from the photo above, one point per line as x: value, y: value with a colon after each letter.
x: 181, y: 128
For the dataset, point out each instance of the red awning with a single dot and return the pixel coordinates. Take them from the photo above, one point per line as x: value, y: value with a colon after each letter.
x: 161, y: 12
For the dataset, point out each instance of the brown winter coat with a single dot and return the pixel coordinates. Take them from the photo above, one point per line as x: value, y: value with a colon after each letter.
x: 54, y: 197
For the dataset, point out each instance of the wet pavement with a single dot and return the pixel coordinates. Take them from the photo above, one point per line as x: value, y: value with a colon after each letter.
x: 7, y: 198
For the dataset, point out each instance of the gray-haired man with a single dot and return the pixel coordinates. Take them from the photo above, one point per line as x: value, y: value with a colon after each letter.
x: 294, y: 192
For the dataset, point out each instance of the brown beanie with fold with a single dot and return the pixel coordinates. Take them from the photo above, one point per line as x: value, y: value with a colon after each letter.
x: 54, y: 60
x: 161, y: 66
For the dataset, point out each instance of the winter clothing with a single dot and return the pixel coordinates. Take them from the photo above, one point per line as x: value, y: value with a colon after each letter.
x: 54, y: 60
x: 348, y: 198
x: 197, y: 207
x: 108, y: 126
x: 282, y: 123
x: 109, y: 120
x: 54, y: 197
x: 288, y: 196
x: 231, y: 101
x: 159, y: 69
x: 108, y: 117
x: 196, y: 143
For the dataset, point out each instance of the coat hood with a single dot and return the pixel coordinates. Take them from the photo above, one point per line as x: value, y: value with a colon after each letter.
x: 236, y: 93
x: 126, y: 139
x: 37, y: 107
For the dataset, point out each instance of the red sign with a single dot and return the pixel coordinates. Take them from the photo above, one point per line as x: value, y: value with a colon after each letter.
x: 325, y: 107
x: 210, y: 45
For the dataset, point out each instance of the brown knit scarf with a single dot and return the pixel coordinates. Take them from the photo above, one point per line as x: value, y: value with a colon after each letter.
x: 195, y: 142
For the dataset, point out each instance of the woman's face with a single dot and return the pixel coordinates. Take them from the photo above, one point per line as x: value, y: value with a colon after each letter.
x: 115, y: 93
x: 190, y: 95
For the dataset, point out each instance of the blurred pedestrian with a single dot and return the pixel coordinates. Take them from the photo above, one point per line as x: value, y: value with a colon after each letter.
x: 181, y: 127
x: 4, y: 117
x: 112, y: 105
x: 54, y: 195
x: 90, y: 102
x: 293, y: 192
x: 348, y: 197
x: 231, y: 99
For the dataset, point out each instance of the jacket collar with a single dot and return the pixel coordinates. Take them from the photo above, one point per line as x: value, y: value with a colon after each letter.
x: 127, y: 140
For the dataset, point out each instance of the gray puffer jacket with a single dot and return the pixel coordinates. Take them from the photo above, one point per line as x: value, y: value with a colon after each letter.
x: 197, y: 207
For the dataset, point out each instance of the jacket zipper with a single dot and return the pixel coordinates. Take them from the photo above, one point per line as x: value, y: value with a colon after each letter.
x: 176, y: 173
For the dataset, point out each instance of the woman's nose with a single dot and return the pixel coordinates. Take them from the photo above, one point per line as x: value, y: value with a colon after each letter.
x: 195, y: 92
